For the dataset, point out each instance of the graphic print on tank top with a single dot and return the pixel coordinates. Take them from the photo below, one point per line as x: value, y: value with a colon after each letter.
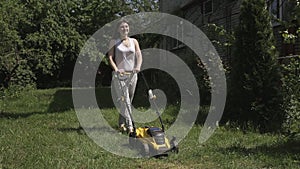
x: 125, y: 56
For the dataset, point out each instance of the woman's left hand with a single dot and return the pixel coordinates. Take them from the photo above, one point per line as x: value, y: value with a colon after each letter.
x: 136, y: 70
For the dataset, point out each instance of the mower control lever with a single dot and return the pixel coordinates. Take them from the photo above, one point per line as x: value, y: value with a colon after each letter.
x: 151, y: 95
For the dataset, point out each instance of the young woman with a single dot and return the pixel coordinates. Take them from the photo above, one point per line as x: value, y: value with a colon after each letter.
x: 126, y: 59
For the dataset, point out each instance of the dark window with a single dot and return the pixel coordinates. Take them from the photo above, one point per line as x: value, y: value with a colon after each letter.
x: 275, y: 8
x: 208, y: 7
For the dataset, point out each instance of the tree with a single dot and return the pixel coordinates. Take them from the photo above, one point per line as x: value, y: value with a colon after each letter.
x: 14, y: 69
x: 255, y: 94
x: 40, y: 39
x: 37, y: 38
x: 52, y: 39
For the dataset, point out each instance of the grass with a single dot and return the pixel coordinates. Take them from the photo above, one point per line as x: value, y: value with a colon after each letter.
x: 40, y: 129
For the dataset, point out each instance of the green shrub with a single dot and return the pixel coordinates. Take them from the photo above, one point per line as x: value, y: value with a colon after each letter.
x: 291, y: 87
x: 255, y: 98
x: 15, y: 91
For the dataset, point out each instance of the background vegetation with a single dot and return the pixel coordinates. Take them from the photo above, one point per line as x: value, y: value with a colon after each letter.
x: 40, y: 41
x: 255, y: 74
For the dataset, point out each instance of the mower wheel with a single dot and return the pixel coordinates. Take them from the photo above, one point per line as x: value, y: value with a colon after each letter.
x: 175, y: 149
x: 174, y: 145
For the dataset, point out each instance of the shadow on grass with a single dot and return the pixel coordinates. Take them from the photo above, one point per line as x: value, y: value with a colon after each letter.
x: 81, y: 130
x: 63, y: 99
x: 8, y: 115
x: 291, y: 148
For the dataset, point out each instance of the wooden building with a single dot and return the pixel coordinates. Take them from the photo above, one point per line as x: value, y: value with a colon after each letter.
x: 225, y: 14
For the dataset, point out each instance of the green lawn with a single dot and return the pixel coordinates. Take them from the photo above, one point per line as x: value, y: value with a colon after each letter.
x: 40, y: 129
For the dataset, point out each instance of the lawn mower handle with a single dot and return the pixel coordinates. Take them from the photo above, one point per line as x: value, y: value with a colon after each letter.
x: 152, y: 97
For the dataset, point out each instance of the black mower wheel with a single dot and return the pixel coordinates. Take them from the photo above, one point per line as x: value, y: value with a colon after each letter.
x: 176, y: 150
x: 174, y: 145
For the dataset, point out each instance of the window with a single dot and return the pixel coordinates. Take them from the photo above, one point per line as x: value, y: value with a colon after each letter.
x: 275, y: 9
x: 177, y: 43
x: 208, y: 7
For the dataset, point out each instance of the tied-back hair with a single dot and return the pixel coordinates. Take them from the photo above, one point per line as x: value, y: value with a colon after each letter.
x: 116, y: 34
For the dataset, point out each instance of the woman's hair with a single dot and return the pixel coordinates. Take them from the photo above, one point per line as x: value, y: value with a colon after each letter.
x: 116, y: 33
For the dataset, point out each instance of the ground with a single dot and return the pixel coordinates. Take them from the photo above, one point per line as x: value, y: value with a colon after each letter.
x: 40, y: 129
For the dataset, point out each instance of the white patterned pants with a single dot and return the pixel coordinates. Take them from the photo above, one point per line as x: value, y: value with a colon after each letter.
x: 122, y: 96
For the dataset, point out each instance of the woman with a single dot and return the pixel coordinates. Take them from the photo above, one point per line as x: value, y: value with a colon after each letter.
x: 125, y: 58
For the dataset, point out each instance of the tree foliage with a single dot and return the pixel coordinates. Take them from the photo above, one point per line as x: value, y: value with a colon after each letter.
x: 291, y: 88
x: 255, y: 93
x: 40, y: 39
x: 13, y: 67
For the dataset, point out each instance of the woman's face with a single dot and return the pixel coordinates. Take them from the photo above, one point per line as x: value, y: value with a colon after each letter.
x: 123, y: 29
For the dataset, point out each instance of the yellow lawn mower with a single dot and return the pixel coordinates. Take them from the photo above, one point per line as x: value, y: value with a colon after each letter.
x: 150, y: 141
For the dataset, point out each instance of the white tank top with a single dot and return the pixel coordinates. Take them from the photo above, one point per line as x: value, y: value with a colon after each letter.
x: 125, y: 56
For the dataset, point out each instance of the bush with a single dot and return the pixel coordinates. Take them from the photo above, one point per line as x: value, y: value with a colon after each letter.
x: 291, y: 87
x: 14, y: 91
x: 255, y: 98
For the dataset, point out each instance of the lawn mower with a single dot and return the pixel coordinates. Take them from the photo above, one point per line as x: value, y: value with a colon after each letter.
x: 150, y: 141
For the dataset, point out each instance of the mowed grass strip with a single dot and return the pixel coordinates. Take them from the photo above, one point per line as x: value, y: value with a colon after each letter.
x: 40, y: 129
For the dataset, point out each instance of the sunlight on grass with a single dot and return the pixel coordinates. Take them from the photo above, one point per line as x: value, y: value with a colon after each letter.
x: 41, y: 130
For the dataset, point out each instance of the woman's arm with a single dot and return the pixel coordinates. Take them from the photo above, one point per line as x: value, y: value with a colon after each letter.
x: 111, y: 53
x: 138, y: 56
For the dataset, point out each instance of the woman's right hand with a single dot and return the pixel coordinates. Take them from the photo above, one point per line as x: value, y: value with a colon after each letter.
x: 119, y: 71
